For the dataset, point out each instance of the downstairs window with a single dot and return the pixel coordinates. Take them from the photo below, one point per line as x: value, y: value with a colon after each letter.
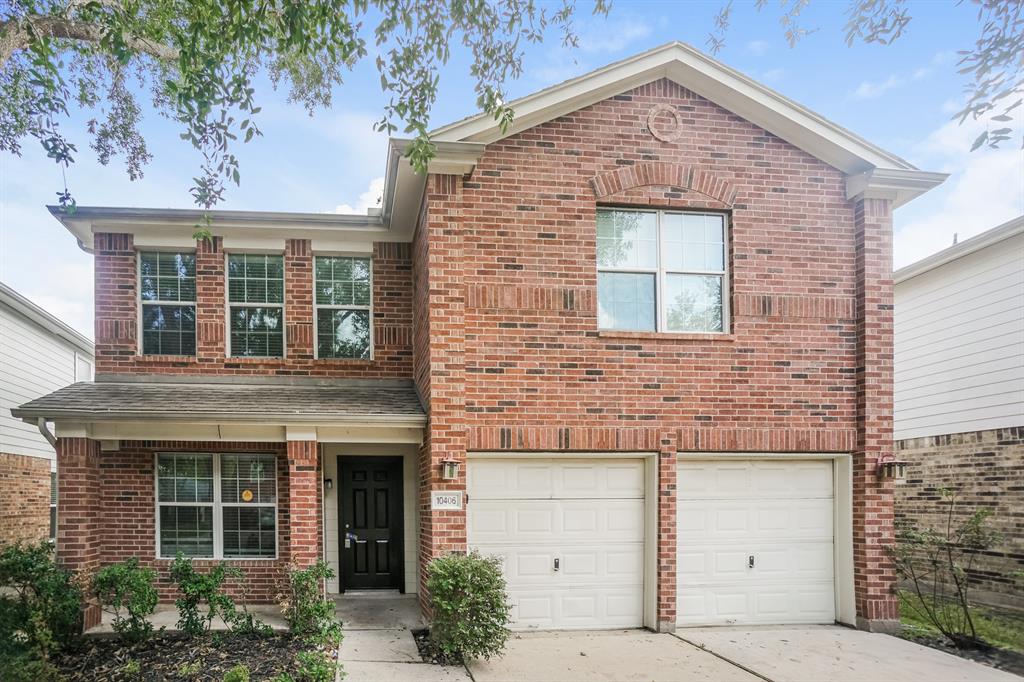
x: 217, y: 506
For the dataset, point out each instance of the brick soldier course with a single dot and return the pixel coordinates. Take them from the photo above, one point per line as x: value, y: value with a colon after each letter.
x: 490, y: 310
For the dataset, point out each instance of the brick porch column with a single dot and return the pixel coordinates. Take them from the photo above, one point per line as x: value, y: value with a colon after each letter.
x: 873, y: 515
x: 304, y: 503
x: 667, y: 556
x: 79, y: 522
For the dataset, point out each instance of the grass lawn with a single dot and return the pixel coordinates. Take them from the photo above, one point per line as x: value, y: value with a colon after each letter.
x: 999, y: 628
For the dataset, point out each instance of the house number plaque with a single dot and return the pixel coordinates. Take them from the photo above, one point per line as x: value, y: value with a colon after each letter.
x: 441, y: 500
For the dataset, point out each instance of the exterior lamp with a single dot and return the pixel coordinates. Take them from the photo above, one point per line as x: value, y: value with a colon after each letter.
x: 891, y: 469
x: 449, y: 469
x: 328, y: 484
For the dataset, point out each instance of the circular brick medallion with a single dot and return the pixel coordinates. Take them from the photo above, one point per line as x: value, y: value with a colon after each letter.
x: 666, y: 133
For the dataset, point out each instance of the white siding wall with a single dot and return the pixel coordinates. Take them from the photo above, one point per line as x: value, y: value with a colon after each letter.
x: 959, y: 343
x: 33, y: 362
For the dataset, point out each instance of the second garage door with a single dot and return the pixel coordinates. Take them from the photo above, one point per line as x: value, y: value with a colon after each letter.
x: 571, y: 536
x: 755, y: 542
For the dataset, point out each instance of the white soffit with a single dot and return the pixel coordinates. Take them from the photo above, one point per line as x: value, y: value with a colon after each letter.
x: 729, y: 89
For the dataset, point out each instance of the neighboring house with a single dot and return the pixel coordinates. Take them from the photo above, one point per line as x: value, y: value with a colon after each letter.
x: 38, y: 355
x: 638, y: 344
x: 959, y: 394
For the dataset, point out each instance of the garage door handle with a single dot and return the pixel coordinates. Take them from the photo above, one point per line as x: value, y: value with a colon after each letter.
x: 556, y: 563
x: 750, y: 561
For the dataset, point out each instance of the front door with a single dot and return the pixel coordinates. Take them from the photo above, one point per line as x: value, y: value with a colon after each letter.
x: 371, y: 522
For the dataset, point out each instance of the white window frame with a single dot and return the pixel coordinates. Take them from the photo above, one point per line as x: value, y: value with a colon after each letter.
x: 661, y: 271
x: 228, y: 305
x: 218, y: 507
x: 141, y: 349
x: 317, y: 307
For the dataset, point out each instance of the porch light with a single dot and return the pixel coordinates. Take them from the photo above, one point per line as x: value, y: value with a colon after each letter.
x: 449, y: 469
x: 891, y: 469
x: 328, y: 484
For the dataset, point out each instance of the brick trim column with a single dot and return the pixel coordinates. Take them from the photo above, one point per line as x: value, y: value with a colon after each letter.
x: 298, y: 298
x: 873, y: 514
x: 79, y: 514
x: 210, y: 299
x: 667, y: 519
x: 304, y: 503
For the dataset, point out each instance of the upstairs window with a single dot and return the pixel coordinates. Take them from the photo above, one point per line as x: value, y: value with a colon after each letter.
x: 343, y: 307
x: 167, y: 288
x: 256, y: 305
x: 661, y: 271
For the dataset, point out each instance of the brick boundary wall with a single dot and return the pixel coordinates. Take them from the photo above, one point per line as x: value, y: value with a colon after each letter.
x: 985, y: 469
x: 24, y: 498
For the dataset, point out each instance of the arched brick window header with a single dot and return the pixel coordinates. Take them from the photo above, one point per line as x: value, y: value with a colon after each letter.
x: 669, y: 174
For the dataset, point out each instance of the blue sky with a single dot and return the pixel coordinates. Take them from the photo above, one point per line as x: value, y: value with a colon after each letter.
x: 900, y: 97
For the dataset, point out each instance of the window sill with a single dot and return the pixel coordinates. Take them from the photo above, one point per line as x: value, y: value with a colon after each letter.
x: 666, y: 336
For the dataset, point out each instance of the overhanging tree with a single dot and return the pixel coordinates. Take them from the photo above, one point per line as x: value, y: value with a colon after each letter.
x: 199, y: 61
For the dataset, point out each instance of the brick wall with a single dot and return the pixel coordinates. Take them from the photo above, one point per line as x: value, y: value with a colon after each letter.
x: 24, y: 498
x: 984, y: 469
x: 117, y: 320
x: 108, y: 506
x: 512, y: 263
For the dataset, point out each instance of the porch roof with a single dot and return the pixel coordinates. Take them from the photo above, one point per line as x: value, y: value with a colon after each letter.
x: 191, y: 402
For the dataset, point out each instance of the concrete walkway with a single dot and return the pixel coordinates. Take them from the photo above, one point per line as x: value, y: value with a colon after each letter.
x: 378, y: 643
x: 836, y: 654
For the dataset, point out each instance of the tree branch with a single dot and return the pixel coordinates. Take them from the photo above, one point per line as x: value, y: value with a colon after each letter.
x: 15, y: 35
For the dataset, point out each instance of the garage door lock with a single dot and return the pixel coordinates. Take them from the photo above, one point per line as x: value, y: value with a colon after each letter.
x: 556, y: 563
x: 750, y: 561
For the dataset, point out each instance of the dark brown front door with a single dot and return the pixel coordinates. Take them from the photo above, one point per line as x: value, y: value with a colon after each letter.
x: 371, y: 522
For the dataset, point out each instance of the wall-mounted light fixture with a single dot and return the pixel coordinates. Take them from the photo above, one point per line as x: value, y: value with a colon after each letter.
x: 328, y: 484
x: 449, y: 469
x: 891, y: 469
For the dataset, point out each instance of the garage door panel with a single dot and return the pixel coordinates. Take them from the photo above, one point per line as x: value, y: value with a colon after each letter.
x: 502, y: 479
x: 588, y: 514
x: 779, y: 512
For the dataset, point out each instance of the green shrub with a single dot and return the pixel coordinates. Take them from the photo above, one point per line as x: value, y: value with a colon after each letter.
x: 40, y: 610
x: 201, y: 588
x: 316, y: 666
x: 126, y: 590
x: 239, y: 673
x: 469, y: 604
x: 309, y: 614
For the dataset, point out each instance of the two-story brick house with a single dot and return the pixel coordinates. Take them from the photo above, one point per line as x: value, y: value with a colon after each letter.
x: 641, y: 339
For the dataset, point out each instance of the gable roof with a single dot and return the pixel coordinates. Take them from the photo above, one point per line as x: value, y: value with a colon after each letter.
x: 976, y: 243
x: 25, y: 308
x: 870, y: 167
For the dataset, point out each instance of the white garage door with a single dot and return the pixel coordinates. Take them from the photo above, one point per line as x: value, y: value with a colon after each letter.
x: 571, y: 535
x: 755, y: 542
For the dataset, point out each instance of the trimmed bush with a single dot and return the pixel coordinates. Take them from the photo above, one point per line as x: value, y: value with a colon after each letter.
x: 126, y: 590
x: 469, y: 604
x: 309, y: 614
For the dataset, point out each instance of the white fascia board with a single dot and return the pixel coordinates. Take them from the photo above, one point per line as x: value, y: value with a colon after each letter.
x: 25, y: 308
x: 897, y: 185
x: 113, y: 431
x: 706, y: 77
x: 965, y: 248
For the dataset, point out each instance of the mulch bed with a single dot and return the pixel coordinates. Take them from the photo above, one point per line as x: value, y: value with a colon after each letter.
x: 1003, y: 659
x: 169, y: 657
x: 428, y: 652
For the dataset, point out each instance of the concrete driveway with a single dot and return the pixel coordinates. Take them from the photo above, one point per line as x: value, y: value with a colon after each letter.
x: 776, y: 654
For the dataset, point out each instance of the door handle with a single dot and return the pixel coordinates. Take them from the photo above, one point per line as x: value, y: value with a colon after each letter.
x: 750, y: 561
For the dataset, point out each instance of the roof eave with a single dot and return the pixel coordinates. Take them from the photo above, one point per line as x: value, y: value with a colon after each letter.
x: 896, y: 185
x: 32, y: 415
x: 976, y: 243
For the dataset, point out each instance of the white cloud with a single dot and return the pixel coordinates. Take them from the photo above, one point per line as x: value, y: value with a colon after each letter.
x: 757, y: 48
x: 371, y: 198
x: 870, y: 90
x: 597, y: 38
x: 613, y: 36
x: 986, y: 189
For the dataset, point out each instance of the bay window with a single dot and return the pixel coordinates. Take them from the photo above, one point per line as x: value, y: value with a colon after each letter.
x: 216, y: 506
x: 661, y: 271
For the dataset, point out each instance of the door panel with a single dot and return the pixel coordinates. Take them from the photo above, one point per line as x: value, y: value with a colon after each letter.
x: 370, y: 514
x: 588, y: 515
x: 780, y: 513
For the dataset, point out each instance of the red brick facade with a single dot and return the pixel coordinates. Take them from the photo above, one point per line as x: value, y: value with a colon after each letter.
x: 492, y: 311
x: 24, y: 498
